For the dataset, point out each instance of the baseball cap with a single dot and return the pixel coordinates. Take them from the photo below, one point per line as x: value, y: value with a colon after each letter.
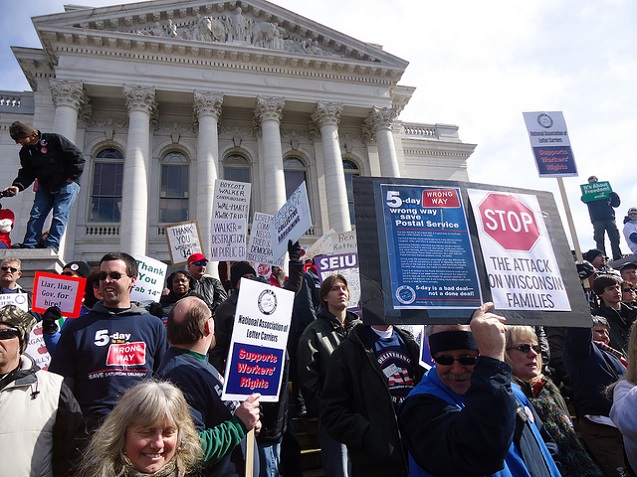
x: 196, y: 257
x: 632, y: 210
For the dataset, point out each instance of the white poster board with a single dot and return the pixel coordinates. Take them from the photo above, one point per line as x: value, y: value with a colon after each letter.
x: 21, y: 300
x: 259, y: 338
x: 228, y: 241
x: 291, y: 221
x: 260, y: 243
x: 183, y: 240
x: 150, y: 281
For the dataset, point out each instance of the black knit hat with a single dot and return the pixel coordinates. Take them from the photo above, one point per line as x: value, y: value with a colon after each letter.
x: 238, y: 270
x: 83, y: 269
x: 18, y: 130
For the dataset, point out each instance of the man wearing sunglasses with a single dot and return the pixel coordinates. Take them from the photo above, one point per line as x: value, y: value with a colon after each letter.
x: 10, y: 273
x: 207, y: 286
x: 39, y: 415
x: 111, y: 348
x: 464, y: 418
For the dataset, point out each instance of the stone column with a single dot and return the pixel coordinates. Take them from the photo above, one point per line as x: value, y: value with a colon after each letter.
x: 379, y: 122
x: 68, y: 99
x: 269, y: 112
x: 207, y: 109
x: 141, y: 104
x: 327, y: 116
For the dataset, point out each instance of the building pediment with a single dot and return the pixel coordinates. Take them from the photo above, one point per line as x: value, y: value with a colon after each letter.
x: 253, y: 31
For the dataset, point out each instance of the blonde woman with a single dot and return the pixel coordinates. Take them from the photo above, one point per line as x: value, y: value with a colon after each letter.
x: 523, y: 354
x: 149, y: 432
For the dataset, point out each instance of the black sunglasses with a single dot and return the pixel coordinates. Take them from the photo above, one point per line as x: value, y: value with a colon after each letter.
x: 448, y: 360
x: 114, y: 275
x: 626, y: 290
x: 5, y: 269
x: 200, y: 263
x: 526, y: 348
x: 9, y: 334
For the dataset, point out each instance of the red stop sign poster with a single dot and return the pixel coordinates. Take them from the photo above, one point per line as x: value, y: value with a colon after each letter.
x: 509, y: 222
x: 522, y: 270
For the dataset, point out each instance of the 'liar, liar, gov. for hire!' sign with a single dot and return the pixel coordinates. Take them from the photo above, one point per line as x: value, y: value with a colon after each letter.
x: 436, y: 250
x: 259, y: 338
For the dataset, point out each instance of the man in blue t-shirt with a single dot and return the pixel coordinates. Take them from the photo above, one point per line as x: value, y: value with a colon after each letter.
x: 117, y: 344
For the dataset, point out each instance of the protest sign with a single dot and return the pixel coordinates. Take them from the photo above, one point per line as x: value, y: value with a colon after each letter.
x: 346, y: 265
x: 231, y: 200
x: 522, y: 269
x: 229, y: 224
x: 228, y: 240
x: 259, y: 338
x: 550, y: 143
x: 323, y: 246
x: 65, y: 292
x: 595, y: 191
x: 291, y: 221
x: 260, y: 243
x: 150, y: 282
x: 183, y: 240
x: 21, y: 300
x: 36, y: 347
x: 462, y: 238
x: 344, y: 242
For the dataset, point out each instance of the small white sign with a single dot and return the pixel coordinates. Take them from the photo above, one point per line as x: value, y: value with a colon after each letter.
x: 228, y: 241
x: 21, y: 300
x: 150, y: 281
x: 260, y: 243
x: 183, y: 240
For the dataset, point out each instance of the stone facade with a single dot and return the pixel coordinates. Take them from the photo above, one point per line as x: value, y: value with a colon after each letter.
x: 165, y: 97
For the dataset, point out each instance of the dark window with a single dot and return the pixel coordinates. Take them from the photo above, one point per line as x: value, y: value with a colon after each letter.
x: 294, y: 171
x: 106, y: 197
x: 175, y: 189
x: 351, y: 169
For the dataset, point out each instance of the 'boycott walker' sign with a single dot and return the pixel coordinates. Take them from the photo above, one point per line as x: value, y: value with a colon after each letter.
x: 522, y: 270
x: 183, y: 240
x: 228, y: 226
x: 259, y: 338
x: 150, y: 282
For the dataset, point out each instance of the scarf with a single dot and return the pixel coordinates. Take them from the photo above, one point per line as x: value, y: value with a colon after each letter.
x: 618, y: 354
x: 169, y: 470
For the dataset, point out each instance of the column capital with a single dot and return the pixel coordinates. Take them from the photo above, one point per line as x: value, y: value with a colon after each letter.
x: 140, y: 98
x: 327, y: 113
x: 207, y: 103
x: 269, y: 109
x: 379, y: 118
x: 67, y: 93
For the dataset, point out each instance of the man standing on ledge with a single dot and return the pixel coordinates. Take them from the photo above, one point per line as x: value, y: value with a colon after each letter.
x: 57, y: 164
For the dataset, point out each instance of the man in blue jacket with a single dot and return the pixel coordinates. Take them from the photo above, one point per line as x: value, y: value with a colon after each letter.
x: 464, y: 418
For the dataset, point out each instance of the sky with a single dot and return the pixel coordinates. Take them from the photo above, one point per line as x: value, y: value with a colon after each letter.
x: 479, y: 65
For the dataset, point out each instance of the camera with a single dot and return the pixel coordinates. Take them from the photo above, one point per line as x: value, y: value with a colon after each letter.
x: 7, y: 193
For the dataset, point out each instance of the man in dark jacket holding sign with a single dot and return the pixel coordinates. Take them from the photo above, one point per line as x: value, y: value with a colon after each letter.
x: 603, y: 219
x: 57, y: 164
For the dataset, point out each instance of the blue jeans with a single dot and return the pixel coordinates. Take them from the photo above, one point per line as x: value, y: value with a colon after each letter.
x: 269, y: 458
x: 61, y: 204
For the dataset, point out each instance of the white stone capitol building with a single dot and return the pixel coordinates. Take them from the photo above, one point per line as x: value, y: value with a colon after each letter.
x: 166, y: 96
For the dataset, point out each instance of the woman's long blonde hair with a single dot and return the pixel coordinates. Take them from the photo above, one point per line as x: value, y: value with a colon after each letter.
x: 146, y: 404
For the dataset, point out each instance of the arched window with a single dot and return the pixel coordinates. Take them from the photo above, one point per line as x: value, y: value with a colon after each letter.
x: 106, y: 196
x: 236, y: 168
x: 175, y: 188
x: 294, y: 170
x: 351, y: 169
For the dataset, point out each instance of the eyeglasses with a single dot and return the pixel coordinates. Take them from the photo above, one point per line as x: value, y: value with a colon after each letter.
x: 526, y: 348
x: 627, y: 290
x: 9, y: 334
x: 114, y: 276
x: 200, y: 263
x: 6, y: 269
x: 448, y: 360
